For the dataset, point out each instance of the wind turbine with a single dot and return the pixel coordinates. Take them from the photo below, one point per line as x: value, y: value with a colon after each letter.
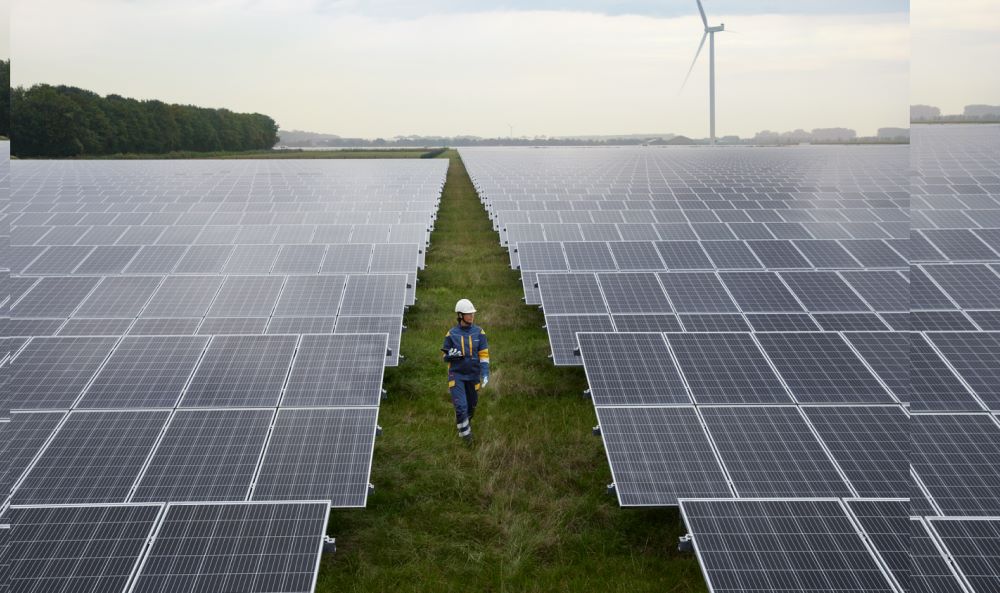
x: 710, y: 34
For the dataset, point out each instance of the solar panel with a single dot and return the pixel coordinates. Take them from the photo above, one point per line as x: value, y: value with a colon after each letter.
x: 562, y: 331
x: 822, y: 368
x: 850, y: 322
x: 888, y: 354
x: 396, y: 257
x: 241, y: 371
x: 726, y: 368
x: 347, y: 258
x: 299, y: 259
x: 873, y: 253
x: 928, y: 321
x: 959, y: 244
x: 54, y: 297
x: 310, y: 296
x: 122, y: 297
x: 337, y: 370
x: 156, y: 259
x: 887, y: 525
x: 823, y: 291
x: 58, y: 259
x: 571, y: 294
x: 50, y: 373
x: 780, y: 545
x: 251, y: 259
x: 392, y: 326
x: 615, y: 379
x: 23, y: 437
x: 658, y: 455
x: 826, y: 254
x: 958, y: 458
x: 204, y: 259
x: 933, y: 385
x: 760, y: 292
x: 643, y: 323
x: 976, y: 358
x: 183, y: 296
x: 782, y: 322
x: 924, y: 294
x: 93, y: 458
x: 376, y: 295
x: 589, y: 256
x: 536, y: 256
x: 301, y: 325
x: 319, y: 454
x: 970, y: 286
x: 145, y: 372
x: 232, y: 325
x: 246, y: 296
x: 884, y: 290
x: 634, y: 255
x: 683, y: 255
x: 76, y: 548
x: 972, y: 544
x: 633, y: 292
x: 929, y: 571
x: 778, y: 255
x: 714, y: 323
x: 249, y: 547
x: 771, y: 451
x: 165, y: 327
x: 731, y: 255
x: 205, y: 455
x: 871, y: 444
x: 697, y: 292
x: 107, y: 259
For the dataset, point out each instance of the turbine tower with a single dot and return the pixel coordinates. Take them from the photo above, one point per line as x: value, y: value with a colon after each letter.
x: 710, y: 34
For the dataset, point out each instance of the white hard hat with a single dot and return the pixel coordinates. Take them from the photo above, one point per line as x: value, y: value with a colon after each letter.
x: 464, y: 306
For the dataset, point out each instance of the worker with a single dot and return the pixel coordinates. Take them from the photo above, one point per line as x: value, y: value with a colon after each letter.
x: 468, y: 357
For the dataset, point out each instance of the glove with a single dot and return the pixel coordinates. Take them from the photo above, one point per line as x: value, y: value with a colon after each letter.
x: 453, y: 355
x: 485, y: 380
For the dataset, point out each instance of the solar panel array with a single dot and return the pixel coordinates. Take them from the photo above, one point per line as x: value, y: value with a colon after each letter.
x: 765, y: 330
x: 196, y: 353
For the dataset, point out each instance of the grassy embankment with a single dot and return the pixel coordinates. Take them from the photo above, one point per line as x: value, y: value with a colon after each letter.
x: 525, y: 509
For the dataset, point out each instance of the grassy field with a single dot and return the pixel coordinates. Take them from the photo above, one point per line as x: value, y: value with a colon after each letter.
x: 525, y: 509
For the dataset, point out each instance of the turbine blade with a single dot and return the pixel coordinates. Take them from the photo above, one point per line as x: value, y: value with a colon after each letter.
x: 704, y: 18
x: 695, y: 61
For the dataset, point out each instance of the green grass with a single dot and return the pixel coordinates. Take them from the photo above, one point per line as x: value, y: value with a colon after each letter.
x: 525, y: 509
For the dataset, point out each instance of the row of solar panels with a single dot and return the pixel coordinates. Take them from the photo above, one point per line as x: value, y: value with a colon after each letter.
x: 83, y: 235
x: 221, y: 454
x: 758, y: 254
x: 839, y: 545
x: 154, y: 548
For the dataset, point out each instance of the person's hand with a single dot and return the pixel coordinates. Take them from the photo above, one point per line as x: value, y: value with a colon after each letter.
x: 454, y: 353
x: 485, y: 381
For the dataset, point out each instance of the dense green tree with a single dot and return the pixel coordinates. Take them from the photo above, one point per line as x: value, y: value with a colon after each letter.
x: 4, y: 97
x: 60, y: 121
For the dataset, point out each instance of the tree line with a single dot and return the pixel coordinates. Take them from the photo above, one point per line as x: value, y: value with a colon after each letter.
x: 64, y: 121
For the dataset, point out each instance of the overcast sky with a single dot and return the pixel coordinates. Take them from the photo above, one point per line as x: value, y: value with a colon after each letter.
x: 548, y: 67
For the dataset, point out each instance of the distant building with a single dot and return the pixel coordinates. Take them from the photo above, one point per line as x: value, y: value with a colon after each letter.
x: 833, y: 135
x: 922, y: 112
x: 729, y: 140
x: 893, y: 133
x: 982, y: 111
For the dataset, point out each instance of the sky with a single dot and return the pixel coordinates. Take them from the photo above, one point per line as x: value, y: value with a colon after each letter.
x: 956, y: 49
x: 382, y: 68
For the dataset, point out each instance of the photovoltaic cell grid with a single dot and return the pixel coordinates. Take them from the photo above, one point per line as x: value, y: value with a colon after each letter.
x: 780, y: 545
x: 251, y: 547
x: 154, y: 265
x: 76, y: 548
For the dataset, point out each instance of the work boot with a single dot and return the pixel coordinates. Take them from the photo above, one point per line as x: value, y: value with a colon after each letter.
x: 468, y: 439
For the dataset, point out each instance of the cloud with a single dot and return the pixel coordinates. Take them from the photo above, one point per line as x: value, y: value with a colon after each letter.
x: 547, y: 72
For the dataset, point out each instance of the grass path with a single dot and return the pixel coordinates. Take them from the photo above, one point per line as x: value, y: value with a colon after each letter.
x: 525, y: 509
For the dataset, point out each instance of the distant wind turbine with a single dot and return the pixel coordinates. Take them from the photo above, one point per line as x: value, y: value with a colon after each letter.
x: 710, y: 34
